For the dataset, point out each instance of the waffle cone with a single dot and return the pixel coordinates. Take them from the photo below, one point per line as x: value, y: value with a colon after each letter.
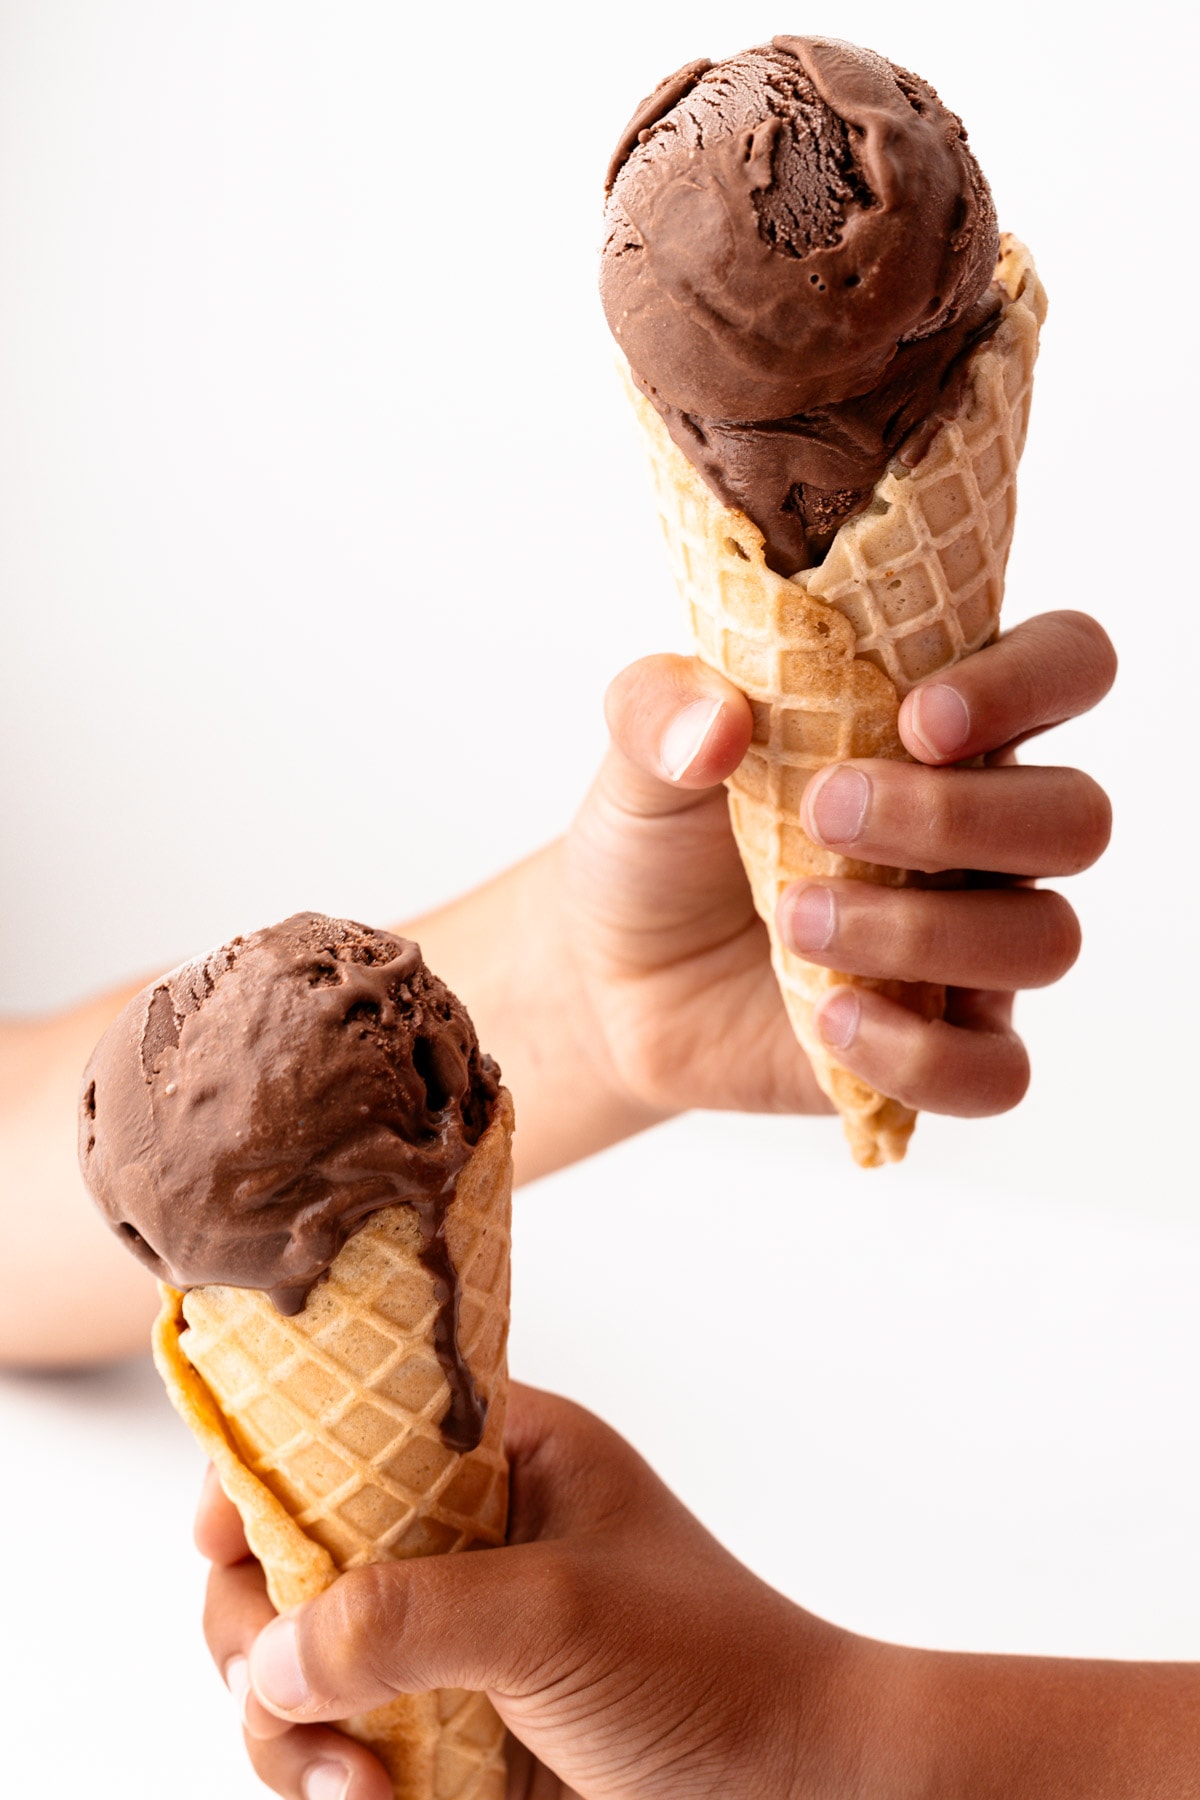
x: 909, y: 586
x: 324, y: 1430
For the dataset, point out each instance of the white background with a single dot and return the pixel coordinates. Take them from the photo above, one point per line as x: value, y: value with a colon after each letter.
x: 322, y: 530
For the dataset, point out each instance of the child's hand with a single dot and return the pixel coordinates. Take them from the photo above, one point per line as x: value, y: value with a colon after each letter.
x: 624, y: 1648
x: 633, y: 1659
x: 674, y: 961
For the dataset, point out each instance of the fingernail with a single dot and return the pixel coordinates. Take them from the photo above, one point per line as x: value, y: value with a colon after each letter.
x: 838, y: 805
x: 809, y: 918
x: 686, y: 735
x: 237, y: 1680
x: 838, y: 1017
x: 326, y: 1781
x: 940, y: 720
x: 275, y: 1667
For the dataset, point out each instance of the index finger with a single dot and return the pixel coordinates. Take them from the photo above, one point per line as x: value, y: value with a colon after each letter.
x: 218, y: 1531
x: 1041, y: 673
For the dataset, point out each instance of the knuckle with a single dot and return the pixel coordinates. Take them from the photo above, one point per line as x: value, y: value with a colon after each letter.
x: 905, y: 813
x: 558, y: 1620
x: 356, y: 1627
x: 917, y: 1062
x: 946, y: 817
x: 555, y: 1627
x: 947, y: 1069
x: 574, y: 1438
x: 645, y: 1059
x: 567, y: 1601
x: 913, y: 939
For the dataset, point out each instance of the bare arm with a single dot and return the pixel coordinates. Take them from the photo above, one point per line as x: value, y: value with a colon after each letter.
x: 69, y: 1293
x: 1036, y: 1728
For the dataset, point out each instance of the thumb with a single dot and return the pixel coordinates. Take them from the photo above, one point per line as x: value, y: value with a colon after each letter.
x: 676, y: 725
x: 491, y: 1620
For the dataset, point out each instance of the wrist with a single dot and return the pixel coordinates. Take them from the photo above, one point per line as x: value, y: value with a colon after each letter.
x: 507, y: 950
x: 606, y: 1103
x: 851, y: 1728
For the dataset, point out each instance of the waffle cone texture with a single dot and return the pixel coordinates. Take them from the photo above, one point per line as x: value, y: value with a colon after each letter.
x: 324, y: 1431
x: 909, y: 587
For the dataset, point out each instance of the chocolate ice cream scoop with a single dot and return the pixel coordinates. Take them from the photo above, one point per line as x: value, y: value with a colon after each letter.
x: 798, y: 257
x: 247, y: 1113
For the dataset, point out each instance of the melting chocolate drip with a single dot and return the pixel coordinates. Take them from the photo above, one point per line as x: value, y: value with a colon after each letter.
x: 291, y: 1298
x: 462, y: 1424
x: 464, y: 1419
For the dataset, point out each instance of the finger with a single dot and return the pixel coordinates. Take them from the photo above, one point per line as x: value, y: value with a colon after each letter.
x: 1005, y: 938
x: 310, y: 1762
x: 497, y: 1620
x: 969, y: 1065
x: 677, y: 724
x: 236, y: 1609
x: 218, y: 1531
x: 568, y: 1470
x: 1042, y: 672
x: 236, y: 1603
x: 528, y: 1779
x: 1013, y: 821
x: 542, y: 1439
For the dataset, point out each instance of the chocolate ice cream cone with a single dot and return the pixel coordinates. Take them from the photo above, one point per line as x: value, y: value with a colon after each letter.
x: 300, y: 1136
x: 325, y: 1431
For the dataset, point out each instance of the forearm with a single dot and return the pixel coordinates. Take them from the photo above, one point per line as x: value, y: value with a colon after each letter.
x: 505, y: 950
x: 69, y: 1293
x: 1029, y: 1728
